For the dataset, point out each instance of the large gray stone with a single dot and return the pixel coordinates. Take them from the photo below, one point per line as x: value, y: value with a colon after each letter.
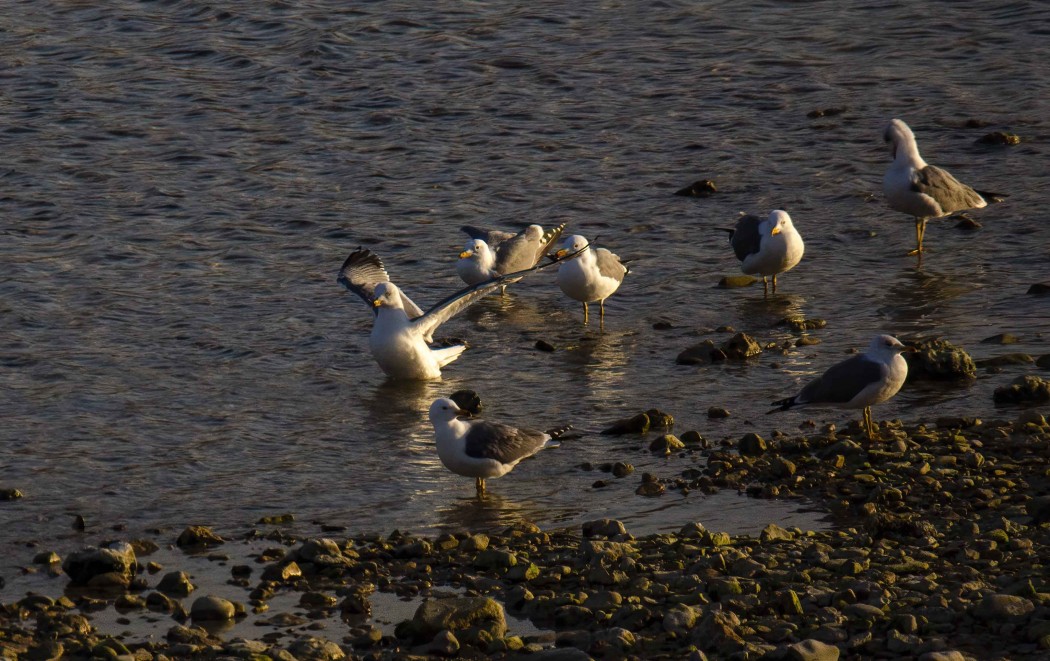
x: 212, y: 609
x: 117, y: 558
x: 998, y: 607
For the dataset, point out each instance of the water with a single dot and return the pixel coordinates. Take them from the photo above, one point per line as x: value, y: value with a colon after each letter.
x: 180, y: 184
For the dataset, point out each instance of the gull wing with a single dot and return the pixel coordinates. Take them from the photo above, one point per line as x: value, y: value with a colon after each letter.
x: 842, y: 382
x: 362, y: 271
x: 505, y: 444
x: 462, y: 299
x: 746, y: 239
x: 550, y: 238
x: 491, y: 237
x: 609, y: 265
x: 950, y: 193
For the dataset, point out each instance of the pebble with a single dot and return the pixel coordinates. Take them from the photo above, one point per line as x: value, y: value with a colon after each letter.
x: 212, y: 608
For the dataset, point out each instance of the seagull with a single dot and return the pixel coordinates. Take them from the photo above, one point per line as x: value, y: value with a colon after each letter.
x: 480, y: 449
x: 925, y: 191
x: 859, y: 382
x: 477, y: 262
x: 766, y: 247
x: 512, y: 252
x: 592, y: 276
x: 402, y: 331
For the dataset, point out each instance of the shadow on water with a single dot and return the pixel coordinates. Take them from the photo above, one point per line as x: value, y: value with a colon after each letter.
x: 760, y: 312
x: 919, y: 298
x: 402, y: 404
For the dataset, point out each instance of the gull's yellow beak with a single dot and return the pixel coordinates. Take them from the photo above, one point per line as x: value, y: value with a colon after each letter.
x: 910, y: 349
x: 776, y: 230
x: 465, y: 254
x: 377, y: 303
x: 560, y: 253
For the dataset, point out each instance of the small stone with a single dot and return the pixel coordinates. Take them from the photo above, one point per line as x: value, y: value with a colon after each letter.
x: 444, y: 644
x: 716, y: 412
x: 666, y: 444
x: 10, y: 494
x: 603, y: 528
x: 650, y: 489
x: 703, y: 353
x: 495, y: 559
x: 999, y: 607
x: 701, y: 188
x: 1006, y: 359
x: 103, y: 565
x: 474, y: 543
x: 198, y: 537
x: 736, y: 281
x: 752, y: 445
x: 308, y: 648
x: 1001, y: 338
x: 774, y: 533
x: 176, y: 583
x: 456, y: 614
x: 638, y: 424
x: 999, y: 138
x: 968, y: 223
x: 740, y: 347
x: 547, y: 347
x: 276, y: 520
x: 659, y: 420
x: 211, y: 608
x: 622, y: 468
x: 46, y: 558
x: 807, y: 341
x: 282, y: 573
x: 812, y: 650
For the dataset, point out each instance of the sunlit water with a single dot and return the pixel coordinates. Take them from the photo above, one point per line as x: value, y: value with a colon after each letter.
x: 180, y: 184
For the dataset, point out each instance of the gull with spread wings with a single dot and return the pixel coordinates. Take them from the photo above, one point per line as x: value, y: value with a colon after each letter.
x: 490, y: 253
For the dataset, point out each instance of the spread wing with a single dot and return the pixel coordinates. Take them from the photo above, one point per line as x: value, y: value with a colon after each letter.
x: 746, y: 239
x: 842, y: 382
x: 550, y: 238
x: 950, y: 193
x: 491, y: 237
x: 505, y: 444
x: 462, y: 299
x: 362, y: 271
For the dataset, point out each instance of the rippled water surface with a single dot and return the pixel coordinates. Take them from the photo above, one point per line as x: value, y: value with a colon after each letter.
x: 181, y: 182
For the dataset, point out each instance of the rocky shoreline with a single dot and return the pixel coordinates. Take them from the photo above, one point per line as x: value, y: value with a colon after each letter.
x: 939, y: 552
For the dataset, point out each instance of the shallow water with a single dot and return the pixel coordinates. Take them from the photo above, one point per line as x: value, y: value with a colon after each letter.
x: 181, y: 184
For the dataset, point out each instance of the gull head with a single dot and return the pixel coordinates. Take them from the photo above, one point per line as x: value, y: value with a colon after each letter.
x: 474, y: 247
x: 887, y: 346
x: 896, y: 136
x: 778, y: 221
x: 444, y: 410
x: 387, y: 295
x: 574, y: 243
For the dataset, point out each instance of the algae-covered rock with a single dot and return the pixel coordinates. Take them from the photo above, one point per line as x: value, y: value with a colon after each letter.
x: 703, y: 353
x: 752, y: 445
x: 938, y: 360
x: 1023, y: 390
x: 740, y: 347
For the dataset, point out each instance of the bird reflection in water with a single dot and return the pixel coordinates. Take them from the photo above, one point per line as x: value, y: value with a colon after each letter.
x: 918, y: 299
x: 761, y: 312
x: 495, y: 512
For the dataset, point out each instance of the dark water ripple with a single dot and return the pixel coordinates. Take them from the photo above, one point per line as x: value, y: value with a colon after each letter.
x: 181, y: 181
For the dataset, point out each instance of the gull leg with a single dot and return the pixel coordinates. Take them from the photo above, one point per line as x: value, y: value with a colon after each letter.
x: 479, y: 485
x: 868, y: 423
x: 765, y: 287
x: 920, y: 233
x: 503, y: 290
x: 601, y: 315
x: 774, y: 283
x: 585, y: 314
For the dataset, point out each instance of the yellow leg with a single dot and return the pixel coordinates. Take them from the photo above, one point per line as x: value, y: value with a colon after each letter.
x: 774, y: 283
x: 601, y: 314
x: 503, y: 290
x: 868, y: 423
x: 585, y: 315
x: 479, y: 485
x: 765, y: 286
x: 920, y: 234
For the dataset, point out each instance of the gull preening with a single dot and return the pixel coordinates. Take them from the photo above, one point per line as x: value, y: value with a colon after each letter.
x: 593, y: 276
x: 491, y: 253
x: 924, y: 191
x: 480, y: 449
x: 859, y: 382
x: 766, y: 247
x: 401, y: 332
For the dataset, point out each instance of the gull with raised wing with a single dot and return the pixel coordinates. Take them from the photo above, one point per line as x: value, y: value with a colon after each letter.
x: 859, y: 382
x: 401, y: 332
x: 500, y: 253
x: 480, y: 449
x: 924, y: 191
x: 766, y: 247
x: 592, y: 276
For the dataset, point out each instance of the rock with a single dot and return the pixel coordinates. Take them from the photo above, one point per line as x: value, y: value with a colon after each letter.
x: 10, y: 494
x: 938, y: 360
x: 812, y: 650
x: 966, y: 222
x: 1001, y: 338
x: 495, y: 559
x: 469, y: 615
x: 160, y: 603
x: 282, y: 572
x: 826, y: 112
x: 468, y: 400
x: 782, y: 468
x: 774, y: 533
x: 944, y: 655
x: 799, y: 324
x: 211, y: 609
x: 638, y: 424
x: 314, y: 549
x: 115, y: 561
x: 1023, y: 390
x: 741, y: 346
x: 703, y: 353
x: 693, y: 438
x: 650, y: 489
x: 444, y: 644
x: 176, y: 583
x: 47, y: 650
x: 717, y: 412
x: 666, y: 444
x: 621, y: 469
x: 474, y: 543
x: 1043, y: 362
x: 603, y: 528
x: 999, y: 138
x: 807, y: 341
x: 308, y: 648
x: 1039, y: 509
x: 680, y: 619
x: 752, y: 445
x: 46, y: 558
x: 546, y: 347
x: 736, y: 281
x: 659, y: 420
x: 701, y: 188
x: 616, y: 638
x: 195, y: 537
x: 996, y: 608
x: 1039, y: 289
x: 1005, y: 360
x: 718, y: 631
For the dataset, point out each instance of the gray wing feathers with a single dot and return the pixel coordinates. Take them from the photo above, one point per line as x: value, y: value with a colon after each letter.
x: 550, y: 237
x: 505, y: 444
x: 746, y: 239
x: 491, y: 237
x: 362, y: 271
x: 842, y: 382
x: 517, y: 254
x: 950, y: 193
x: 609, y: 265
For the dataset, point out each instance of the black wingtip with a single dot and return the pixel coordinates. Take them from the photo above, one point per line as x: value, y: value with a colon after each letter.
x: 781, y: 405
x: 558, y: 432
x: 991, y: 197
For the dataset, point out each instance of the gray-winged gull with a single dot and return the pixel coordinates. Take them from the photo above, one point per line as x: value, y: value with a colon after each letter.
x: 477, y: 262
x: 512, y: 252
x: 859, y: 382
x: 766, y: 247
x: 923, y: 191
x: 401, y: 330
x: 592, y: 276
x: 481, y: 449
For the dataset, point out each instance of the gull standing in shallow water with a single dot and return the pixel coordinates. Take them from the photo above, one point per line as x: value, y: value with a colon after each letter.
x: 859, y: 382
x: 401, y: 331
x: 491, y: 253
x: 766, y: 247
x: 480, y: 449
x: 924, y: 191
x: 594, y: 275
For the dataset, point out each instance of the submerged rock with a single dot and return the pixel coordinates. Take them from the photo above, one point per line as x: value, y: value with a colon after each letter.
x: 939, y: 360
x: 799, y: 324
x: 703, y: 353
x: 1039, y: 289
x: 701, y: 188
x: 10, y: 494
x: 740, y: 347
x: 1023, y: 390
x: 638, y: 424
x: 999, y: 138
